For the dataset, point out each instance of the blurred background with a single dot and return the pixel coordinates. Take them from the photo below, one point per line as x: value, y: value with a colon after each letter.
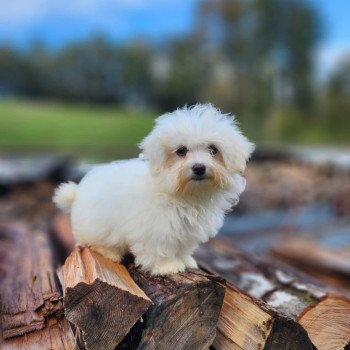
x: 88, y: 77
x: 85, y: 79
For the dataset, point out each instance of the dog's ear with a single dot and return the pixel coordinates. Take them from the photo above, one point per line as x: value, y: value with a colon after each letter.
x: 153, y: 152
x: 237, y: 149
x: 243, y: 150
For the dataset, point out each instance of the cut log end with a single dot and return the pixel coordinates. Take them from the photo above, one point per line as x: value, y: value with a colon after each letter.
x: 101, y: 299
x: 328, y: 323
x: 276, y: 307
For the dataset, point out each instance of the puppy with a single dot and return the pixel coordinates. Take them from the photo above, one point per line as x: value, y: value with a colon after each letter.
x: 162, y: 205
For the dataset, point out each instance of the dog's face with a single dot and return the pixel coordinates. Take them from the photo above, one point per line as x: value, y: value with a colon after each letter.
x: 196, y: 149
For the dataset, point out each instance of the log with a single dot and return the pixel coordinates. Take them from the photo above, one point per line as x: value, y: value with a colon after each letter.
x: 15, y: 170
x: 184, y: 313
x: 330, y: 266
x: 56, y: 336
x: 100, y: 299
x: 29, y: 293
x: 280, y: 308
x: 61, y: 227
x: 248, y: 323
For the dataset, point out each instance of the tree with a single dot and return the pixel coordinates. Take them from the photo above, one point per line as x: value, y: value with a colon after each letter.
x: 269, y: 43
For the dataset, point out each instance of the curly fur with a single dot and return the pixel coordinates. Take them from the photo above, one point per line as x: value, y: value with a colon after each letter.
x: 154, y: 206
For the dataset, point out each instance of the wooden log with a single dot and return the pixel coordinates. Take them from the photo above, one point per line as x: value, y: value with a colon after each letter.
x: 100, y: 298
x: 29, y: 293
x: 15, y: 170
x: 305, y: 311
x: 185, y: 308
x: 61, y: 236
x: 248, y: 323
x: 55, y: 336
x: 184, y: 313
x: 330, y: 266
x: 61, y: 228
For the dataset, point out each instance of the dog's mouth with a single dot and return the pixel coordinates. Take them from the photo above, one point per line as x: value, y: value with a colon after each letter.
x: 199, y: 177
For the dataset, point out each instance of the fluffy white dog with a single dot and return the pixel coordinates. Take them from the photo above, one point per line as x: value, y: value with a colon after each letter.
x: 162, y: 205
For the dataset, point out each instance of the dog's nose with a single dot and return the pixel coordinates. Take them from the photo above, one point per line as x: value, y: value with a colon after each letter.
x: 198, y: 169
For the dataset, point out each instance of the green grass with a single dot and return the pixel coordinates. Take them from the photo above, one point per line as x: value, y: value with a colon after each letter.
x: 111, y: 132
x: 83, y: 130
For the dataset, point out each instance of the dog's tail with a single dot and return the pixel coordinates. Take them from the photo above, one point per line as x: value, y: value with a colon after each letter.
x: 64, y: 196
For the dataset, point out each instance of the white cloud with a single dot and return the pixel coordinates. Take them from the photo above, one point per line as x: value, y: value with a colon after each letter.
x: 19, y: 12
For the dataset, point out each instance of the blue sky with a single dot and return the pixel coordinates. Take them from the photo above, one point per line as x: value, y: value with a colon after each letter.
x: 56, y: 22
x: 59, y: 21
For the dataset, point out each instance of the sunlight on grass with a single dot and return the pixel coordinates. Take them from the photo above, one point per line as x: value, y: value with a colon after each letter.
x: 76, y: 129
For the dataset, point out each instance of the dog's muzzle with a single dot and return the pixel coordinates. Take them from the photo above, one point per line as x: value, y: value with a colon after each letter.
x: 199, y: 172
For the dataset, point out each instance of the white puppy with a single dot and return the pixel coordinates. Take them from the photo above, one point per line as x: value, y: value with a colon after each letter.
x: 161, y: 206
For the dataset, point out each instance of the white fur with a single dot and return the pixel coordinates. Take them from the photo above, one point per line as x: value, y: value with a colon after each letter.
x: 64, y: 196
x: 153, y: 206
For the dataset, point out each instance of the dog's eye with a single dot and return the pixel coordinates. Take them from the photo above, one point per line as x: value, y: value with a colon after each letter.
x: 213, y: 150
x: 182, y: 151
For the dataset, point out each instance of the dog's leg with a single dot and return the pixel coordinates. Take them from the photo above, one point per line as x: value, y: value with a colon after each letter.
x: 167, y: 266
x: 189, y: 261
x: 114, y: 253
x: 157, y: 265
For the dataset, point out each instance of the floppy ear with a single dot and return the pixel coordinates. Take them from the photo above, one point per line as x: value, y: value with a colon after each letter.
x: 153, y: 152
x: 238, y: 151
x: 244, y: 149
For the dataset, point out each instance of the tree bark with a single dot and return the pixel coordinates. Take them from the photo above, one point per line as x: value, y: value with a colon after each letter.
x: 56, y: 336
x: 275, y: 307
x: 29, y: 294
x: 100, y: 299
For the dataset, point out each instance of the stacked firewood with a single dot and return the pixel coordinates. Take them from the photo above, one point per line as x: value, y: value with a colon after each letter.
x: 54, y: 295
x: 236, y: 300
x: 93, y: 303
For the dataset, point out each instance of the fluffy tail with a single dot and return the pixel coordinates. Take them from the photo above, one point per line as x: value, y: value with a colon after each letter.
x: 64, y: 196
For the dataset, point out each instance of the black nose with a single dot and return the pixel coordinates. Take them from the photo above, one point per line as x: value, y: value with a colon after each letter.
x: 198, y: 169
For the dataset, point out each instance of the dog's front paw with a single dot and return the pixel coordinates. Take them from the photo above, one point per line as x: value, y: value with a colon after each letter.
x: 168, y: 268
x: 189, y: 262
x: 110, y: 253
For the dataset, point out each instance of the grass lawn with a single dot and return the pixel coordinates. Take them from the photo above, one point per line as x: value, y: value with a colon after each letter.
x: 83, y: 130
x: 110, y: 132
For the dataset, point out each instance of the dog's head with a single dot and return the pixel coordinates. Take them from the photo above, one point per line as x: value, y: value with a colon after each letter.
x: 197, y: 149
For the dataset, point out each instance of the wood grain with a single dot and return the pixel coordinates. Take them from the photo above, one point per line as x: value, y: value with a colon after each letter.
x: 57, y: 336
x: 100, y: 298
x: 298, y: 312
x: 184, y: 313
x: 29, y: 294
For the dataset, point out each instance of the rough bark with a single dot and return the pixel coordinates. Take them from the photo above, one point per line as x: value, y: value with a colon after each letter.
x: 282, y: 309
x: 100, y: 299
x: 29, y: 294
x: 184, y: 313
x: 56, y: 336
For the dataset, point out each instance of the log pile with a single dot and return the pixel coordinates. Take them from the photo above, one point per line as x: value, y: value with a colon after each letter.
x: 103, y: 305
x: 107, y: 307
x: 263, y: 304
x: 31, y: 303
x: 271, y: 306
x: 330, y: 266
x: 236, y: 301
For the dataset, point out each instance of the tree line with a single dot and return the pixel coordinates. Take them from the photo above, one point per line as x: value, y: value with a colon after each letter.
x: 245, y: 56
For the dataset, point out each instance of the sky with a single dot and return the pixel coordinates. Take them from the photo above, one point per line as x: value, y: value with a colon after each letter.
x: 56, y: 22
